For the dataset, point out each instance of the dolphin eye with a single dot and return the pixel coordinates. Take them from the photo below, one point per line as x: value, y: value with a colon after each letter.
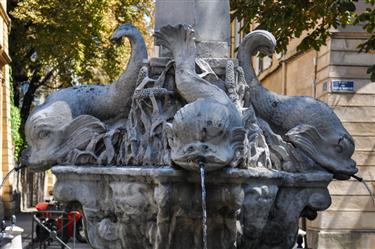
x: 339, y: 148
x: 43, y: 134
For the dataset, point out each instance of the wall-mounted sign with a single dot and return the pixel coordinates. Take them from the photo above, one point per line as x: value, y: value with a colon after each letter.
x: 342, y: 86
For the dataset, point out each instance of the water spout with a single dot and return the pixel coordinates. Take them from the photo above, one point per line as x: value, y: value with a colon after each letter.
x: 8, y: 174
x: 204, y: 208
x: 6, y: 177
x: 360, y: 179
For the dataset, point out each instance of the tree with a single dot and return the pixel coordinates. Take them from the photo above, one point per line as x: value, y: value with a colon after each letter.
x: 288, y: 19
x: 56, y: 44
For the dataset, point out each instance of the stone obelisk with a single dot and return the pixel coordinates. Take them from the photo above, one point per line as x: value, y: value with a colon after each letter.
x: 209, y: 18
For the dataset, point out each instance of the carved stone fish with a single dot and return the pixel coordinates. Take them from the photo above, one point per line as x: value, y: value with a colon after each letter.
x: 210, y: 127
x: 108, y: 102
x: 306, y: 122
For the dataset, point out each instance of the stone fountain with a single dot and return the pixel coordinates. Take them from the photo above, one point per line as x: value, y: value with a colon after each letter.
x: 139, y: 153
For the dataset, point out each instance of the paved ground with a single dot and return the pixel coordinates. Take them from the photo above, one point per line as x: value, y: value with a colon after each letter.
x: 24, y: 220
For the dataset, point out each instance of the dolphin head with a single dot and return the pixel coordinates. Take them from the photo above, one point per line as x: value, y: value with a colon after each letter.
x: 205, y: 130
x: 332, y: 151
x: 44, y: 133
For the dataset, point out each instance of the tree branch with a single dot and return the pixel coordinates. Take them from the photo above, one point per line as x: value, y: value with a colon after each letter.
x: 47, y: 77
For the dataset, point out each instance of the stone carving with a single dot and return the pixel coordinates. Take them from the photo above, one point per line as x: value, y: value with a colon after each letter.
x: 47, y: 124
x: 137, y: 207
x: 209, y: 128
x: 154, y: 103
x: 305, y: 122
x: 241, y: 126
x: 209, y: 19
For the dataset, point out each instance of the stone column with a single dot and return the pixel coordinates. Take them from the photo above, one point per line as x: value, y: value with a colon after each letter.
x: 209, y: 18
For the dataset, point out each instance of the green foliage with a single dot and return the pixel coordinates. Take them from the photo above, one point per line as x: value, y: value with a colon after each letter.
x: 73, y: 37
x: 288, y: 19
x: 17, y: 139
x: 313, y: 20
x: 15, y: 124
x: 367, y: 18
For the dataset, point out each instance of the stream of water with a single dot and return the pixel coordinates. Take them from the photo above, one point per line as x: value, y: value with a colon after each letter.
x: 371, y: 194
x: 6, y: 177
x: 204, y: 208
x: 366, y: 186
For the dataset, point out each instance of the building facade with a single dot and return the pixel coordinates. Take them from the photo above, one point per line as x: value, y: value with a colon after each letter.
x: 336, y: 75
x: 6, y: 155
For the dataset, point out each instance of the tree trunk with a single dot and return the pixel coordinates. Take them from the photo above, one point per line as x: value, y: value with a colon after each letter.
x: 16, y: 94
x: 28, y: 99
x: 27, y: 102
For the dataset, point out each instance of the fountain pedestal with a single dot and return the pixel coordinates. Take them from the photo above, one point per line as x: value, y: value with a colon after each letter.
x: 138, y: 208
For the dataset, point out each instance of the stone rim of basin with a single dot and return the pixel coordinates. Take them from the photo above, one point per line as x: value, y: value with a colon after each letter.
x: 225, y: 175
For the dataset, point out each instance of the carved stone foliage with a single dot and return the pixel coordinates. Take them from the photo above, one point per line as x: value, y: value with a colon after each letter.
x: 154, y: 103
x: 137, y: 208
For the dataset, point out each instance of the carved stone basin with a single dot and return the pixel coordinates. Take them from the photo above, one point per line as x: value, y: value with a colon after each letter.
x: 139, y: 208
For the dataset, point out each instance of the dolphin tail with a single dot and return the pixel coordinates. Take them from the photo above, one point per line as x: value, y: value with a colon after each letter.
x: 256, y: 41
x: 180, y: 40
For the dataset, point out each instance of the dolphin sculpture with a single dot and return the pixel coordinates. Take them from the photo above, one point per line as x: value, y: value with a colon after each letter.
x: 209, y: 128
x: 307, y: 123
x: 47, y: 126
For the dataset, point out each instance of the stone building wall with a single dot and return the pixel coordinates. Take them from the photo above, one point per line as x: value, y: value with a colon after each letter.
x: 349, y: 222
x: 6, y: 156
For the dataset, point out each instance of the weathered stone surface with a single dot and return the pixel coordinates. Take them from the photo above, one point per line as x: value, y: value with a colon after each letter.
x: 157, y: 65
x: 212, y: 49
x: 136, y: 207
x: 209, y: 18
x: 50, y: 127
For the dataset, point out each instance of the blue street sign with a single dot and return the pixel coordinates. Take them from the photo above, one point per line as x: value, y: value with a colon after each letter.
x: 342, y: 86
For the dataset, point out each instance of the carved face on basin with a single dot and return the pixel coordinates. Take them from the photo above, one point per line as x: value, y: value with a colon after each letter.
x: 332, y: 152
x: 205, y: 130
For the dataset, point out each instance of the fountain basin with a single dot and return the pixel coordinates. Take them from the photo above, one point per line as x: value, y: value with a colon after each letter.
x: 138, y: 207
